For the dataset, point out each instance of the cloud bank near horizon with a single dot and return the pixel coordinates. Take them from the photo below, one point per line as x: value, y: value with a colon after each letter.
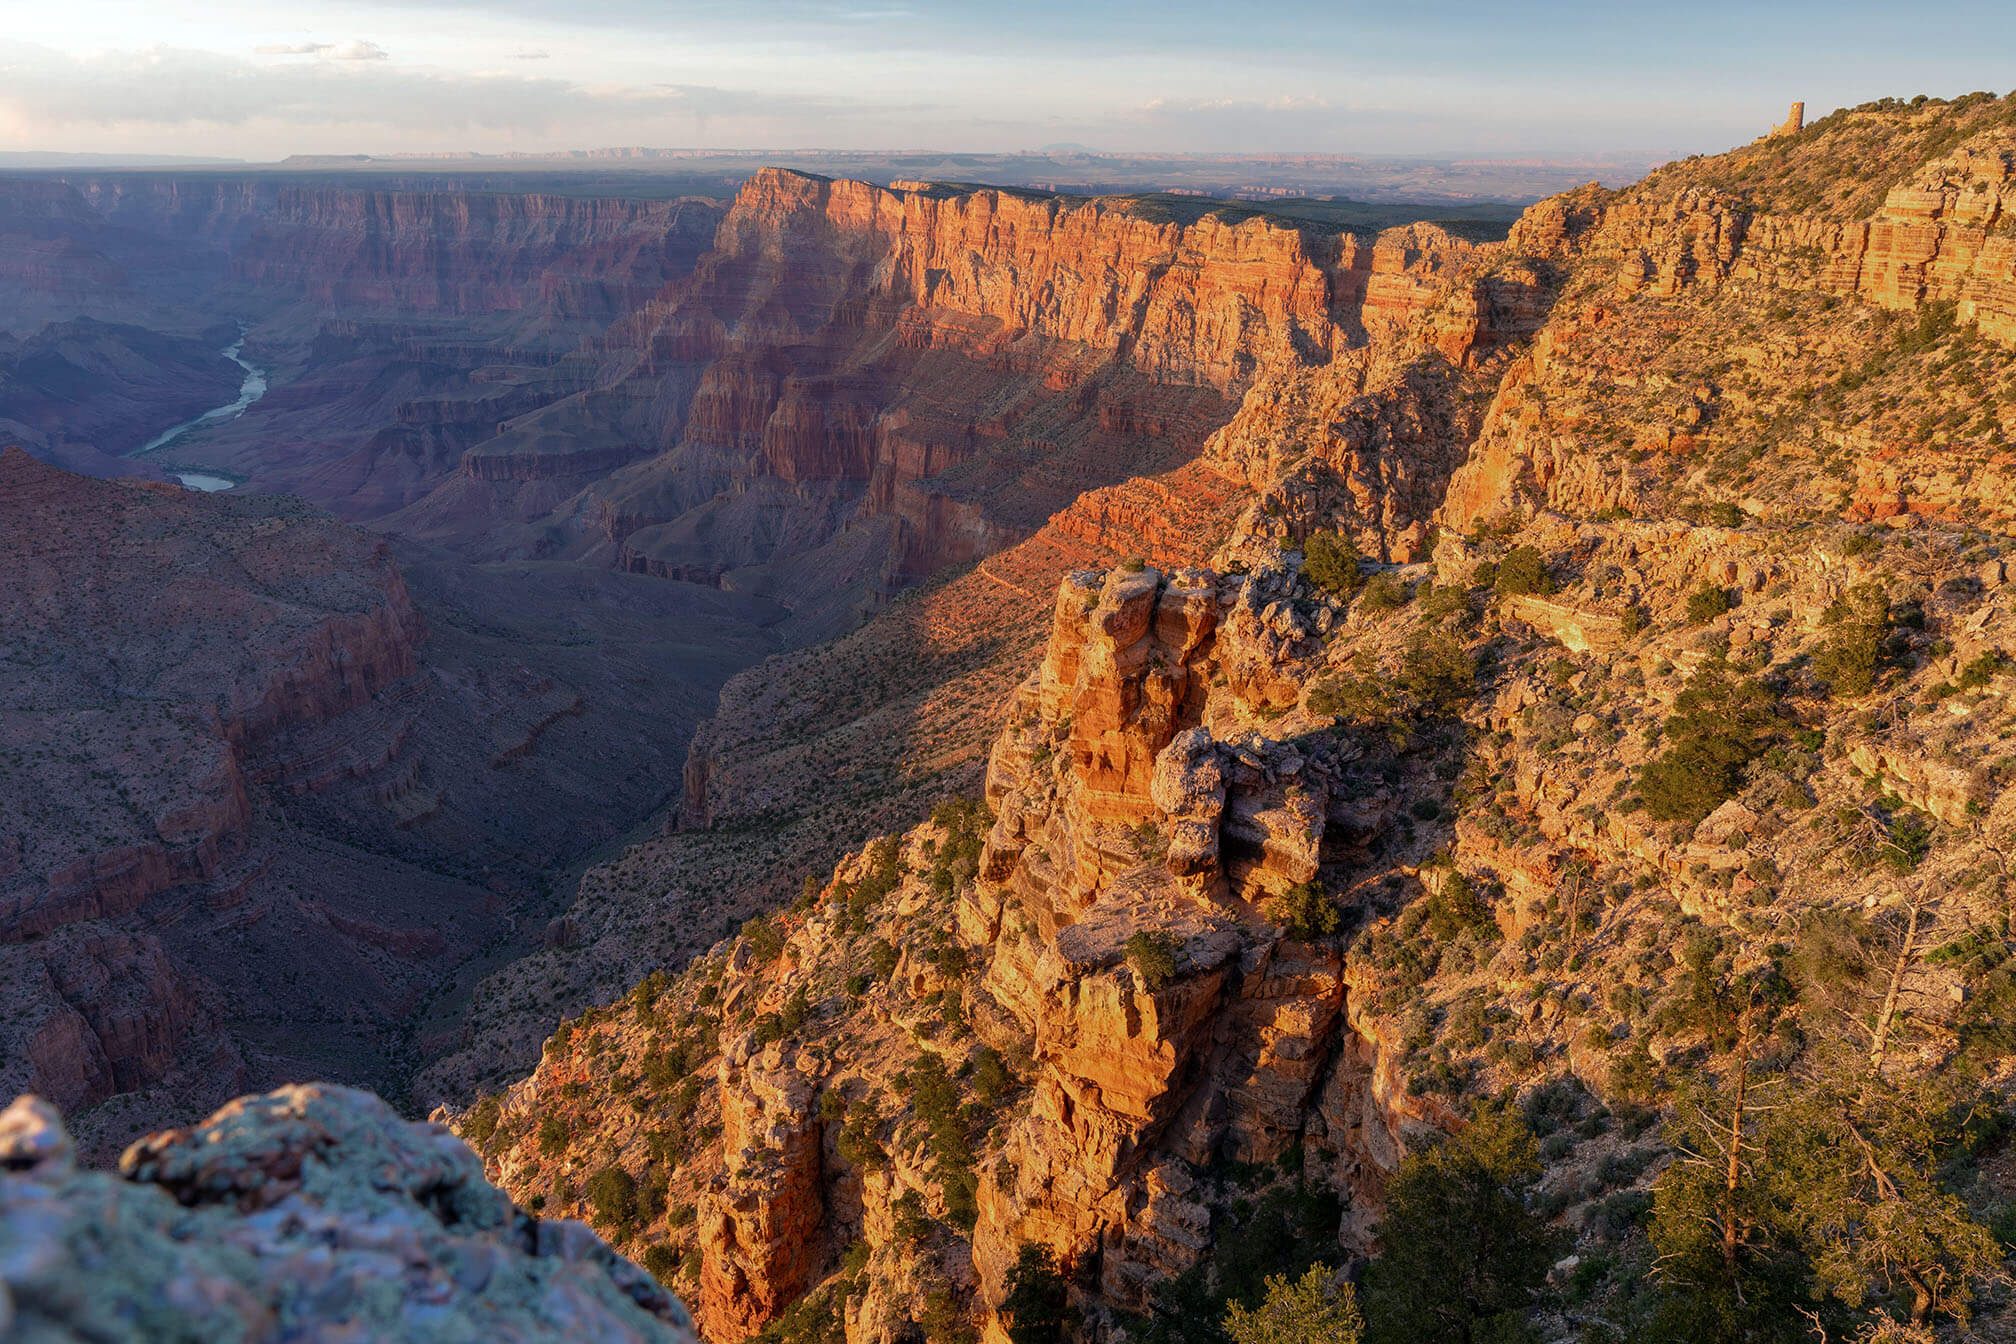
x: 264, y: 79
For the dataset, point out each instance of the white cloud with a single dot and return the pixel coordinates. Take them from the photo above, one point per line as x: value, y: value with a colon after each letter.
x: 530, y: 56
x: 172, y: 94
x: 354, y: 50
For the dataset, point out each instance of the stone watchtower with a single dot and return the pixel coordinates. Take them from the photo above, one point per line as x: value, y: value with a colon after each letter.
x: 1794, y: 121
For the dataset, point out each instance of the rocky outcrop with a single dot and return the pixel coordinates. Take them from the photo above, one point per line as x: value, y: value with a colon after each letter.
x: 310, y: 1210
x: 1939, y: 235
x: 761, y: 1224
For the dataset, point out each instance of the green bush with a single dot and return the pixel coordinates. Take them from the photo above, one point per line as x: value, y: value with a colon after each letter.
x: 1523, y: 570
x: 1437, y: 672
x: 1331, y: 562
x: 481, y: 1122
x: 1305, y: 911
x: 1853, y: 656
x: 1457, y: 907
x: 1037, y: 1308
x: 1717, y: 728
x: 553, y: 1135
x: 857, y: 1144
x: 661, y: 1262
x: 1311, y: 1310
x: 1707, y: 602
x: 1982, y: 670
x: 760, y: 936
x: 991, y: 1079
x: 909, y: 1221
x: 1152, y: 954
x: 957, y: 858
x: 612, y: 1194
x: 1440, y: 603
x: 1464, y: 1251
x: 1355, y: 699
x: 1383, y: 593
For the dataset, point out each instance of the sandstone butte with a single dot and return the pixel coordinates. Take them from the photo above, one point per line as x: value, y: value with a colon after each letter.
x: 1099, y: 1008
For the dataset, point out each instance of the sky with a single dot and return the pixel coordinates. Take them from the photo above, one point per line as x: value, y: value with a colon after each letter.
x: 1429, y: 78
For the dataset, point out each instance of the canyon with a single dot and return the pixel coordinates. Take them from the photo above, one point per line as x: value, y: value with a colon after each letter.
x: 1256, y: 882
x: 613, y: 451
x: 1009, y: 729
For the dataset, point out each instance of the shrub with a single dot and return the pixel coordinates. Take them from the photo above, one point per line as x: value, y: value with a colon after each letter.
x: 1981, y: 670
x: 1331, y: 562
x: 1440, y: 603
x: 910, y: 1222
x: 1152, y: 954
x: 1355, y: 699
x: 1851, y: 659
x: 1311, y: 1310
x: 1383, y: 593
x: 1853, y: 655
x: 1910, y: 841
x: 760, y: 936
x: 957, y: 859
x: 481, y: 1122
x: 991, y: 1079
x: 1305, y: 912
x: 1707, y: 602
x: 857, y: 1144
x: 1523, y: 570
x: 612, y: 1194
x: 1457, y: 907
x: 553, y: 1135
x: 1437, y: 672
x: 1464, y: 1250
x: 1037, y: 1308
x: 661, y: 1262
x: 1717, y: 728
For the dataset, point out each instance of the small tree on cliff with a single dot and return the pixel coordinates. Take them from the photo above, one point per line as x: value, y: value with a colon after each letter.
x: 1331, y: 562
x: 1037, y: 1309
x: 1464, y: 1254
x: 1309, y: 1310
x: 1717, y: 728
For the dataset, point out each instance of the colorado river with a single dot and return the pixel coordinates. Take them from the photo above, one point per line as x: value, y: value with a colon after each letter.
x: 249, y: 391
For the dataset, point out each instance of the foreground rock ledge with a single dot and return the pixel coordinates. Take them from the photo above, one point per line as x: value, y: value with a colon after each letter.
x: 309, y: 1214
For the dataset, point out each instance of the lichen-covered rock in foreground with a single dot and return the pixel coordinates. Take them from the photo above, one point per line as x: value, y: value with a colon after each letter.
x: 311, y: 1213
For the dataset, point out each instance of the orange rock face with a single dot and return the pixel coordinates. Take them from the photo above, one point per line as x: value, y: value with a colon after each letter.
x: 761, y: 1223
x: 943, y: 370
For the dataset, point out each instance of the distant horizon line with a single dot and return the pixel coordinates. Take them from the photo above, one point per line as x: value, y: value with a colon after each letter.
x: 618, y: 153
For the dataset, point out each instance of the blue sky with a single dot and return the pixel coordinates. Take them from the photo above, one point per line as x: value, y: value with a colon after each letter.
x: 268, y: 78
